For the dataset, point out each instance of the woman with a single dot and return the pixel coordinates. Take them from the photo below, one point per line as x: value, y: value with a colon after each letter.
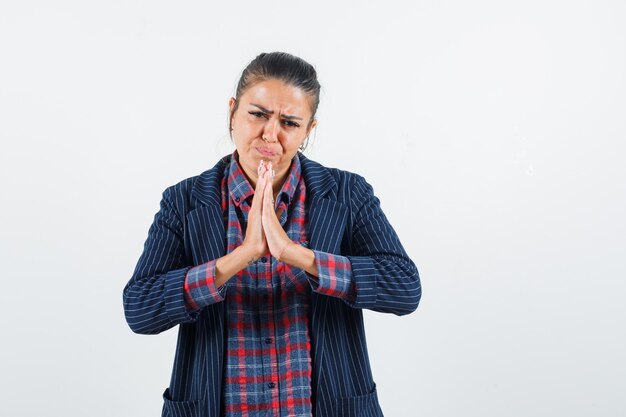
x: 266, y: 261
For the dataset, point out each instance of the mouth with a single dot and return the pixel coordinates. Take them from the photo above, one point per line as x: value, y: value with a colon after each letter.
x: 266, y: 152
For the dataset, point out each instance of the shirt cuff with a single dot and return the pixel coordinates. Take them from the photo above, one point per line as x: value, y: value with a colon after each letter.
x: 334, y: 276
x: 200, y: 287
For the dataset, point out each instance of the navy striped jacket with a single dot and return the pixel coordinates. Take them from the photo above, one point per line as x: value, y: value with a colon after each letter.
x: 343, y: 217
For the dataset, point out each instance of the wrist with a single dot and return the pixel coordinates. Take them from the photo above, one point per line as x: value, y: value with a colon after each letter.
x: 299, y: 256
x: 279, y: 255
x: 249, y: 253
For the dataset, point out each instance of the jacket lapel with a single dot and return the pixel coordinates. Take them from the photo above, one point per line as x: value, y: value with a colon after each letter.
x: 205, y: 239
x: 327, y: 219
x: 205, y: 234
x: 326, y: 215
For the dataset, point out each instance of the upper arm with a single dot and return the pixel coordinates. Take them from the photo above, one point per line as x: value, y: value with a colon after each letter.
x: 386, y: 278
x: 153, y: 297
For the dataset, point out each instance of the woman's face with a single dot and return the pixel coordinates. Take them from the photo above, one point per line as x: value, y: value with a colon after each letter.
x: 277, y: 112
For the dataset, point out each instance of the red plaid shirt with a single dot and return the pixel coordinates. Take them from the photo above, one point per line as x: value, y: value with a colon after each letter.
x: 268, y: 352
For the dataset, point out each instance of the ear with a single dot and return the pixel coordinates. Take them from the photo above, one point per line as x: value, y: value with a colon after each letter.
x: 231, y: 105
x: 313, y: 124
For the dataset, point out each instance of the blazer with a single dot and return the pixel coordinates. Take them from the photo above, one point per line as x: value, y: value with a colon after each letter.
x: 343, y: 217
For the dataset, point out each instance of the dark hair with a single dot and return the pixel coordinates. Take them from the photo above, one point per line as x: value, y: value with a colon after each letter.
x: 280, y: 66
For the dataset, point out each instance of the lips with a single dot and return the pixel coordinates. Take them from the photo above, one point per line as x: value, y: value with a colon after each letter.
x: 266, y: 152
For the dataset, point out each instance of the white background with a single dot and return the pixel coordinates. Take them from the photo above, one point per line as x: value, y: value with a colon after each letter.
x: 493, y: 133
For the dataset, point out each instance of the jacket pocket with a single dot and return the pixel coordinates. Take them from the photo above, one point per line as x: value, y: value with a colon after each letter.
x: 172, y: 408
x: 359, y: 406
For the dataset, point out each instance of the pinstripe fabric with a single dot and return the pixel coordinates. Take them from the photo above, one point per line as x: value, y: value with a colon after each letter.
x: 343, y: 217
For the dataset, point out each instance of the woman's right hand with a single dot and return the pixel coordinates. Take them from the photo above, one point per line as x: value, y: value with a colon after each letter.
x: 254, y: 238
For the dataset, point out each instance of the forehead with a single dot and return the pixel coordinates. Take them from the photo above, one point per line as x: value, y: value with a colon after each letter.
x: 278, y: 96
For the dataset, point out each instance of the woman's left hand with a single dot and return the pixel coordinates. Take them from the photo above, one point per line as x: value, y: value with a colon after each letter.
x: 275, y: 235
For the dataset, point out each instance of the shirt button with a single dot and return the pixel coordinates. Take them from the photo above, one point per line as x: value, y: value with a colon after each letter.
x: 264, y: 259
x: 271, y: 385
x: 268, y: 340
x: 237, y: 199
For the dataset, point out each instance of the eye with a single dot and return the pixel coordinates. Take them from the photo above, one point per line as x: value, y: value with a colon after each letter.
x: 291, y: 124
x: 257, y: 114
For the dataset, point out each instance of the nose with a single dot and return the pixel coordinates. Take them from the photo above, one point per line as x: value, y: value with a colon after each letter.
x: 270, y: 132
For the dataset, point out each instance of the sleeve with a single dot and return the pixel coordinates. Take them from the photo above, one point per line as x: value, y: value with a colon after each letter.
x: 153, y: 298
x: 385, y: 278
x: 200, y: 287
x: 334, y: 276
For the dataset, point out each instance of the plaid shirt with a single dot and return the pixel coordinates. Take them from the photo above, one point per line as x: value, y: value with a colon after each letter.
x: 268, y: 352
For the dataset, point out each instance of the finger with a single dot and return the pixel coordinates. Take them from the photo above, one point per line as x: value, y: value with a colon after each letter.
x: 260, y: 186
x: 262, y: 167
x: 257, y: 198
x: 269, y: 190
x: 260, y: 172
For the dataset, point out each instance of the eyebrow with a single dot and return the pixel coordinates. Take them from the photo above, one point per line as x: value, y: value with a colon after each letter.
x: 286, y: 116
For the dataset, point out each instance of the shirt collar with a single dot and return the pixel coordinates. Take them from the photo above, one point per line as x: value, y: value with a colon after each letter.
x: 241, y: 190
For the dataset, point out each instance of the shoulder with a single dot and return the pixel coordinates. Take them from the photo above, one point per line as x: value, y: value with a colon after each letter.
x: 315, y: 173
x: 203, y: 188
